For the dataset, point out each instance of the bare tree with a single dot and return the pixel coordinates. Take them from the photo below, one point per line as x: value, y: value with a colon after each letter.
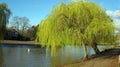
x: 21, y: 24
x: 16, y: 23
x: 24, y: 24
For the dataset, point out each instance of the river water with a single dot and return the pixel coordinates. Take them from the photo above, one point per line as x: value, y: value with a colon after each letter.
x: 31, y: 56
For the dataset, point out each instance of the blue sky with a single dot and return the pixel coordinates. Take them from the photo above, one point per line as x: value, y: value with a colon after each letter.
x: 36, y: 10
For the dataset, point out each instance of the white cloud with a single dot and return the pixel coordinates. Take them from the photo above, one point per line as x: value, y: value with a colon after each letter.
x: 117, y: 25
x: 74, y: 0
x: 110, y: 13
x: 77, y: 0
x: 115, y: 15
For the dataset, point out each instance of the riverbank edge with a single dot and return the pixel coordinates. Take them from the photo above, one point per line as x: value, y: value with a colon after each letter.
x: 103, y: 54
x: 19, y: 43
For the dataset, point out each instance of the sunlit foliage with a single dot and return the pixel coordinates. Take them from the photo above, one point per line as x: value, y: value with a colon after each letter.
x: 76, y: 24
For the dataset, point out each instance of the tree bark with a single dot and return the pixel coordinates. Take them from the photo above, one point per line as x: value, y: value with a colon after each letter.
x: 85, y: 52
x: 95, y: 48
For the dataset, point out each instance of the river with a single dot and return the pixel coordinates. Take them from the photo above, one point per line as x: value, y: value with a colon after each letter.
x: 31, y: 56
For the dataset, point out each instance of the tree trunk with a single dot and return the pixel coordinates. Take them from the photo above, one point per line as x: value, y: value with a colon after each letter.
x: 95, y: 48
x: 85, y: 51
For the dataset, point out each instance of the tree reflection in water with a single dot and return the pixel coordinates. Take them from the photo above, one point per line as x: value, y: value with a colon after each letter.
x: 1, y: 58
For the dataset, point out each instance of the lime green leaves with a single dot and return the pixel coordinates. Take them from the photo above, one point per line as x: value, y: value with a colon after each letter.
x: 75, y: 23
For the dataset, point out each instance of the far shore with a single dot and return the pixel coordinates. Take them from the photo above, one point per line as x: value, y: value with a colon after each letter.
x: 17, y: 42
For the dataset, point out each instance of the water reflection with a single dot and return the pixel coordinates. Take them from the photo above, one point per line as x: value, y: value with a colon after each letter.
x: 1, y: 58
x: 25, y: 56
x: 28, y: 50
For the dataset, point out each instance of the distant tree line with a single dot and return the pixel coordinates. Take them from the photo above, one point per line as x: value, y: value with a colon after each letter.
x: 22, y: 26
x: 27, y: 35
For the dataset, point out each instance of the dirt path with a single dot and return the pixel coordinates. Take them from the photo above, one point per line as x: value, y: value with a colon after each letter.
x: 97, y: 62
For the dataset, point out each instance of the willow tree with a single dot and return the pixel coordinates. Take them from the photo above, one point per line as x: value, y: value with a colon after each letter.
x: 4, y: 16
x: 76, y: 24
